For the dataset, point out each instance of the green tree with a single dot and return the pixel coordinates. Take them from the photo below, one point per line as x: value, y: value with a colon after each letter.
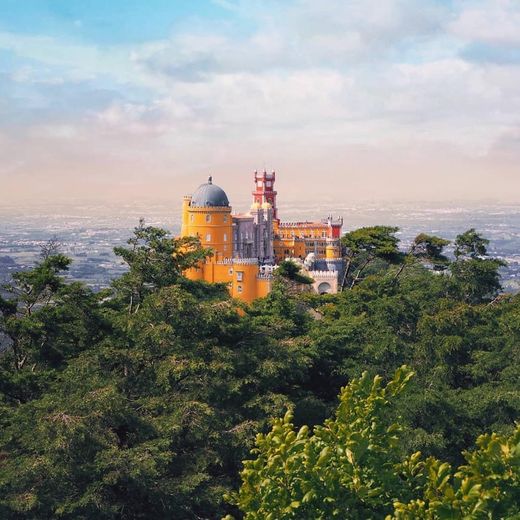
x: 117, y: 414
x: 155, y: 260
x: 476, y: 277
x: 428, y: 249
x: 364, y: 246
x: 46, y: 320
x: 290, y: 270
x: 470, y: 244
x: 351, y: 467
x: 153, y: 419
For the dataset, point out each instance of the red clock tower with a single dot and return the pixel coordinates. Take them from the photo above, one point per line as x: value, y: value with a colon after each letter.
x: 264, y: 190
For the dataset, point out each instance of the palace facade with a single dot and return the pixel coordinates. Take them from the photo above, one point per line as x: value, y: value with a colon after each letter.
x: 248, y: 246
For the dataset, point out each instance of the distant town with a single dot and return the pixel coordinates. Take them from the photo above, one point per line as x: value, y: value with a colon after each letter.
x: 89, y: 232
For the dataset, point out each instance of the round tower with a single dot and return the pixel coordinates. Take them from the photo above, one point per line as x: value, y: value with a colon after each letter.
x: 207, y: 214
x: 332, y: 250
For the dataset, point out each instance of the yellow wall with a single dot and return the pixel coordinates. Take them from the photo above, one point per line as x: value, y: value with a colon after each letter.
x: 185, y: 209
x: 244, y: 281
x: 311, y: 230
x: 214, y: 227
x: 263, y: 287
x: 295, y: 247
x: 332, y: 252
x: 300, y: 240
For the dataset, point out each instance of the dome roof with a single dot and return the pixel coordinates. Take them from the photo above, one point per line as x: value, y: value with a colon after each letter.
x: 209, y: 195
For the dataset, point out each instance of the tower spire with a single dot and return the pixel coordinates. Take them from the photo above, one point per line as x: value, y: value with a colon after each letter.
x: 264, y: 190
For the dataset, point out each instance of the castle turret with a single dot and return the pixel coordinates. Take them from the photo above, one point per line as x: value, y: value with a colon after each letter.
x: 264, y: 190
x: 207, y: 214
x: 332, y: 250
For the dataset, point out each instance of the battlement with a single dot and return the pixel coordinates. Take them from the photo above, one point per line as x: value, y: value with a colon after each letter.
x: 238, y: 261
x: 303, y: 224
x: 323, y: 274
x: 331, y: 221
x: 264, y: 276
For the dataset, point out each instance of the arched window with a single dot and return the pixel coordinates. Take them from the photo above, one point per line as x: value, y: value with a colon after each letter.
x: 208, y: 217
x: 208, y: 237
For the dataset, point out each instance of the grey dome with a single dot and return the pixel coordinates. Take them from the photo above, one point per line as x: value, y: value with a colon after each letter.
x: 209, y: 195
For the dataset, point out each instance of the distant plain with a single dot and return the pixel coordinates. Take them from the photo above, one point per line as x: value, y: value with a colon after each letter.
x: 88, y: 232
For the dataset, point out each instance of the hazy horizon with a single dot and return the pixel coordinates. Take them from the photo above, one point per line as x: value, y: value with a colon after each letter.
x: 130, y: 100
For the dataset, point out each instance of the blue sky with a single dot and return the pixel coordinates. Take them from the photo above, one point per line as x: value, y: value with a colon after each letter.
x: 105, y: 22
x: 394, y: 99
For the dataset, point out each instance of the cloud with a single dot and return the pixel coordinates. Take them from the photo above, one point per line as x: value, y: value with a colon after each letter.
x: 490, y: 32
x: 337, y: 89
x: 297, y: 36
x: 495, y: 22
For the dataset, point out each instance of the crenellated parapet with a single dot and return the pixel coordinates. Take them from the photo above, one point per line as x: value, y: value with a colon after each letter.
x: 238, y: 261
x: 261, y: 276
x: 323, y: 274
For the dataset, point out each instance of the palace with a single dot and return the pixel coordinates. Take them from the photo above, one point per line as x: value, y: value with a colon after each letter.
x: 248, y: 246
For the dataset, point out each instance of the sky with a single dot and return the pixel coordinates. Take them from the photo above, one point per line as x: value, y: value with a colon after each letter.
x: 348, y: 100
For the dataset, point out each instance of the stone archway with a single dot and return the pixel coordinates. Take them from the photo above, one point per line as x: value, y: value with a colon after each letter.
x: 324, y: 288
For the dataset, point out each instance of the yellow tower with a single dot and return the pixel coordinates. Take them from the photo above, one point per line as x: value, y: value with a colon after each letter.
x: 207, y: 214
x: 332, y: 250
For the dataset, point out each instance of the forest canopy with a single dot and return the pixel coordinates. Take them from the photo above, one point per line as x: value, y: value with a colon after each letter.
x: 143, y: 400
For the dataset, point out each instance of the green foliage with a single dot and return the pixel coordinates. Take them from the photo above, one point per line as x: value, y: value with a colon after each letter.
x: 430, y: 248
x: 292, y: 271
x: 155, y: 260
x: 375, y: 241
x: 476, y: 278
x: 344, y: 469
x: 470, y: 244
x: 350, y: 468
x: 142, y: 400
x: 366, y: 245
x: 487, y: 486
x: 47, y: 321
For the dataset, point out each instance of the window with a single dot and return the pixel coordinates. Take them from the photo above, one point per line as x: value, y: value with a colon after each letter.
x: 208, y: 217
x: 225, y: 219
x: 240, y: 276
x: 192, y: 217
x: 230, y: 272
x: 225, y: 237
x: 208, y: 237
